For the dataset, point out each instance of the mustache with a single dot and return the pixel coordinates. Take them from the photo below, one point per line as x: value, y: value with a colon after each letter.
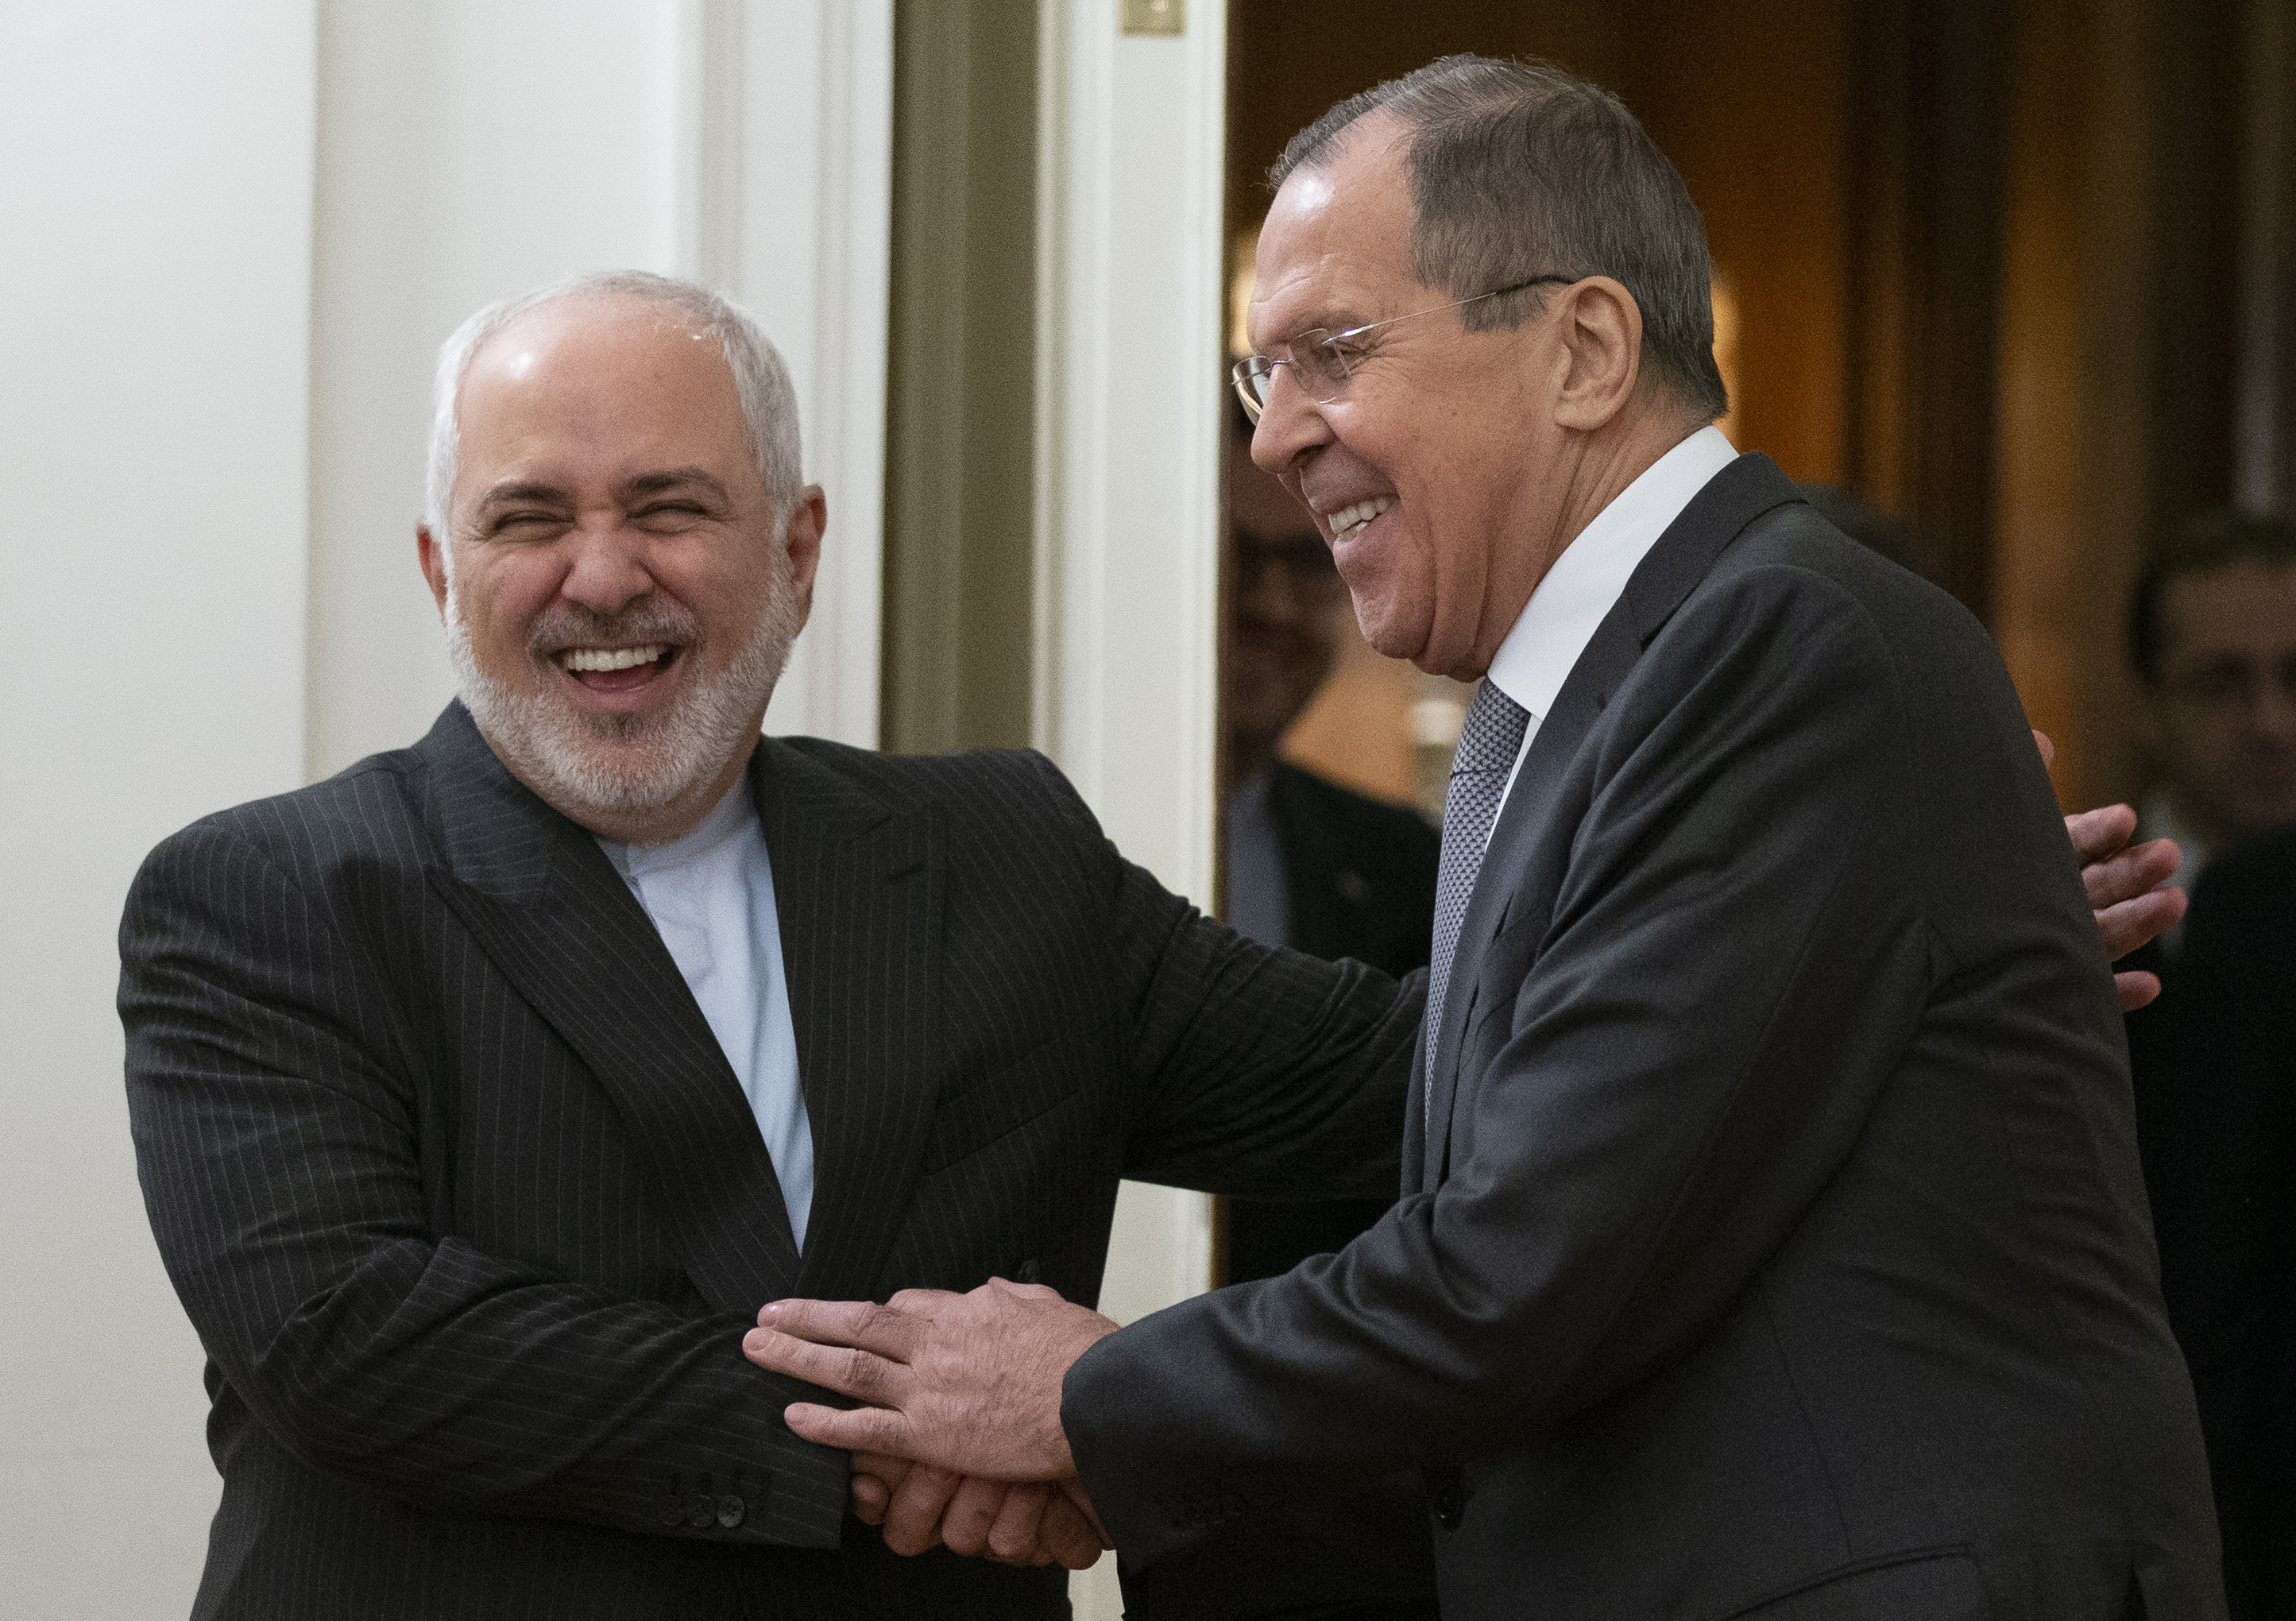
x: 567, y: 624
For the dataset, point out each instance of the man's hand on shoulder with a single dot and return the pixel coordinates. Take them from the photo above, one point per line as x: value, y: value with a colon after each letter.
x: 2126, y: 884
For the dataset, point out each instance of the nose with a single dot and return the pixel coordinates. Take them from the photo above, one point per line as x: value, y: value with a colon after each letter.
x: 1290, y: 425
x: 606, y: 570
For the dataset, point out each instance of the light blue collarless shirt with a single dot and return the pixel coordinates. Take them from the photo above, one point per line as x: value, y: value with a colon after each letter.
x: 710, y: 895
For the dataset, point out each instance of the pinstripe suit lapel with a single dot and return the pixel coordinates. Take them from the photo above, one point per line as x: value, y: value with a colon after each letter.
x: 552, y: 914
x: 859, y: 887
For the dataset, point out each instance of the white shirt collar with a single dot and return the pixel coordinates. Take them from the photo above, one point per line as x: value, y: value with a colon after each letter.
x: 1586, y: 579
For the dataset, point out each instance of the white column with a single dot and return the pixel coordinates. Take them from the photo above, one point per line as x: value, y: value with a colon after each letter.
x: 1129, y: 346
x: 812, y: 254
x: 154, y: 294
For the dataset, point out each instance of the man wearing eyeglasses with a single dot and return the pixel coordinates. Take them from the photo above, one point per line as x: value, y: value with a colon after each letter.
x: 1772, y: 1242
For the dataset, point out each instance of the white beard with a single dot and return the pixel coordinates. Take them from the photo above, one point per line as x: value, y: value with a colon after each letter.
x: 595, y: 767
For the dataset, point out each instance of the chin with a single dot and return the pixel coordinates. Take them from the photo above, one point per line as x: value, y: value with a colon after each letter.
x: 1391, y: 641
x: 604, y: 767
x: 593, y: 766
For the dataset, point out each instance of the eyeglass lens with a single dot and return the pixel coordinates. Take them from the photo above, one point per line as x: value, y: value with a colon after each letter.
x: 1318, y: 364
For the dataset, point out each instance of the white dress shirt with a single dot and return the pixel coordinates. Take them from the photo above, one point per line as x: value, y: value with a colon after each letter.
x: 1587, y: 580
x: 710, y: 894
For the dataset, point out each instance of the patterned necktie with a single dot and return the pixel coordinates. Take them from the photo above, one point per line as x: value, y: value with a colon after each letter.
x: 1489, y: 743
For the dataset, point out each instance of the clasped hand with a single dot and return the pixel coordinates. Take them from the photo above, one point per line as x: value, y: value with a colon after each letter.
x: 960, y: 1442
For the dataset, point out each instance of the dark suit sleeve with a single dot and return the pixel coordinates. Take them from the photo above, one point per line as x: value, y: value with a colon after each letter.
x: 1734, y: 963
x: 1251, y: 1070
x: 2228, y: 1234
x: 280, y: 1136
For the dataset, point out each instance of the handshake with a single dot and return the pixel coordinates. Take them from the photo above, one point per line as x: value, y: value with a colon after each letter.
x: 958, y: 1440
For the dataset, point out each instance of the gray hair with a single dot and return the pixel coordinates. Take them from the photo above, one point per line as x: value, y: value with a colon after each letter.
x: 769, y: 402
x: 1517, y: 169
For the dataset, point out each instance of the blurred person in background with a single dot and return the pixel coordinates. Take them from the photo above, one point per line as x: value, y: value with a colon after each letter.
x: 2212, y: 635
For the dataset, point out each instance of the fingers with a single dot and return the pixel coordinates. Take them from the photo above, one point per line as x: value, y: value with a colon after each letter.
x: 965, y: 1523
x: 1012, y: 1537
x: 860, y: 1374
x: 2135, y: 871
x: 863, y: 1429
x: 913, y: 1520
x: 2048, y: 749
x: 1069, y: 1535
x: 890, y: 1331
x: 919, y: 1303
x: 2131, y: 923
x: 2135, y: 990
x: 1024, y: 1291
x: 1073, y: 1490
x: 875, y: 1478
x: 2097, y: 833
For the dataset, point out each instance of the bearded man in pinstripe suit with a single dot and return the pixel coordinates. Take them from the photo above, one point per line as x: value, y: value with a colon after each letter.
x: 482, y: 1093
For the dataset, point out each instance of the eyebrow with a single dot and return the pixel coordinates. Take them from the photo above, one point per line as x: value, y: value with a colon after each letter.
x: 511, y: 494
x: 632, y: 489
x: 655, y: 483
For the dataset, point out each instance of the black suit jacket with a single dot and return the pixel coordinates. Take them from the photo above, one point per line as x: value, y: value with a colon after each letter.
x: 2220, y: 1153
x: 471, y: 1213
x: 1774, y: 1242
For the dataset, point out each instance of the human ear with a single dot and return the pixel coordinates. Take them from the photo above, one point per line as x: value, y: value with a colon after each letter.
x: 1601, y: 328
x: 808, y: 520
x: 430, y: 555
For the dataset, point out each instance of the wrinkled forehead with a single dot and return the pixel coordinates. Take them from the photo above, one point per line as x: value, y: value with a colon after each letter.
x: 1336, y: 246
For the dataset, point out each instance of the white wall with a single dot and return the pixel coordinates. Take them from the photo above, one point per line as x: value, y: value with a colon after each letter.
x: 153, y: 293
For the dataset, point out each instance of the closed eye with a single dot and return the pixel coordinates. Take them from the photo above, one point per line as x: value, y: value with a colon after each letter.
x: 524, y: 524
x: 671, y: 513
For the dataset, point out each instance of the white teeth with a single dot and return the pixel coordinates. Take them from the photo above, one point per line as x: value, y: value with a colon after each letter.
x: 1349, y: 519
x: 614, y: 658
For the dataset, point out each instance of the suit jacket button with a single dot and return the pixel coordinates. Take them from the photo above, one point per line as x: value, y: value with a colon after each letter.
x: 701, y: 1511
x: 730, y: 1511
x: 673, y: 1511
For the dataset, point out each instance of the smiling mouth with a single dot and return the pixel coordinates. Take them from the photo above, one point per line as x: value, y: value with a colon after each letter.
x: 617, y: 669
x: 1346, y: 522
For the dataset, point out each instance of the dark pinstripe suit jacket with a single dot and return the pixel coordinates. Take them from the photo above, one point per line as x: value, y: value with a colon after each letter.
x: 470, y: 1212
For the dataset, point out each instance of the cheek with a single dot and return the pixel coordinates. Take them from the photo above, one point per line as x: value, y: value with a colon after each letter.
x: 500, y: 606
